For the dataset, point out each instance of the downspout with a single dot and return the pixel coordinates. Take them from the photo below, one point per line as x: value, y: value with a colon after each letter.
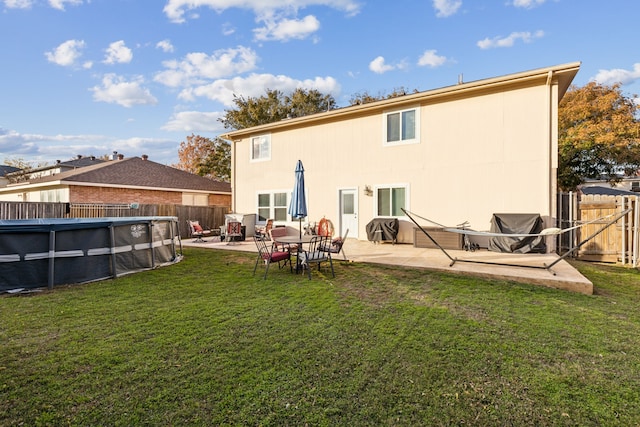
x: 233, y: 175
x: 552, y: 165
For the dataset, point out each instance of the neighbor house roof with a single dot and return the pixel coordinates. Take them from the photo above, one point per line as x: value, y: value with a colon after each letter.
x: 78, y: 162
x: 597, y: 189
x: 132, y: 172
x: 562, y: 75
x: 5, y: 169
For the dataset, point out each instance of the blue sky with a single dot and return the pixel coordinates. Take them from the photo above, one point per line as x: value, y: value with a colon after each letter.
x: 138, y: 76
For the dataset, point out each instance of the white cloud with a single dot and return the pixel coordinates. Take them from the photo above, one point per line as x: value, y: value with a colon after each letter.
x: 195, y: 121
x: 175, y: 9
x: 618, y: 75
x: 510, y: 40
x: 67, y: 53
x: 228, y: 29
x: 255, y: 85
x: 116, y: 90
x: 197, y: 67
x: 118, y: 53
x: 59, y: 4
x: 26, y: 4
x: 286, y: 29
x: 165, y: 46
x: 430, y: 58
x: 379, y: 65
x: 45, y: 148
x: 446, y: 8
x: 37, y: 145
x: 18, y: 4
x: 528, y: 4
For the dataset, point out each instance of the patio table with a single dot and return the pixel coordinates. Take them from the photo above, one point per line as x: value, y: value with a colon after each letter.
x: 295, y: 240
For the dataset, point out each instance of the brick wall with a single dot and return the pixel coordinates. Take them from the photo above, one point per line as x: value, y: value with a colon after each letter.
x: 78, y: 194
x: 81, y: 194
x: 220, y: 200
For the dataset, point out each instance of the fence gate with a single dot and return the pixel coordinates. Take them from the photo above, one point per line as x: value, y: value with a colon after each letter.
x: 617, y: 243
x: 95, y: 210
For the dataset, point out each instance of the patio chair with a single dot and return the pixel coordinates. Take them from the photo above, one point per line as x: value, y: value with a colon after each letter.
x: 276, y: 232
x: 197, y: 232
x: 337, y: 245
x: 269, y: 255
x: 234, y: 229
x: 264, y: 230
x: 315, y: 254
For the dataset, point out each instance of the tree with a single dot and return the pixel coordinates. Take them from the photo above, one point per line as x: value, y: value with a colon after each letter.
x: 218, y: 162
x: 598, y: 135
x: 365, y: 97
x: 205, y: 157
x: 24, y: 165
x: 275, y: 106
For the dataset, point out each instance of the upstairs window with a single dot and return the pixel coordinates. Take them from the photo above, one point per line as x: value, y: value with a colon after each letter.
x: 261, y: 148
x: 402, y: 127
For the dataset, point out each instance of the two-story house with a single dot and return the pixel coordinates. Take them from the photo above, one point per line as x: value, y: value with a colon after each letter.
x: 457, y: 153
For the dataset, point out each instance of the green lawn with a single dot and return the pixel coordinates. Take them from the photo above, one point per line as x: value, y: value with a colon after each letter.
x: 204, y: 342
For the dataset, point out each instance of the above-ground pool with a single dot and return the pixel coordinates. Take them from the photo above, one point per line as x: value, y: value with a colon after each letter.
x: 40, y: 253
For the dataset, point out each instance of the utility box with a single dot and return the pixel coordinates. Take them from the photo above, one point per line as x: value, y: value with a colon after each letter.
x: 445, y: 239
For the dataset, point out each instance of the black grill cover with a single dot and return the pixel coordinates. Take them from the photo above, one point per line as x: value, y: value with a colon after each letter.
x: 517, y: 224
x: 382, y: 229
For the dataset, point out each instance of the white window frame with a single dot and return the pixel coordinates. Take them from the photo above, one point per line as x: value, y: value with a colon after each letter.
x: 414, y: 140
x: 407, y: 198
x: 271, y: 206
x: 262, y: 157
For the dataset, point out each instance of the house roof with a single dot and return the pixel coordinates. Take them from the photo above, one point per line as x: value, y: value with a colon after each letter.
x: 597, y: 189
x: 132, y: 172
x: 6, y: 169
x: 562, y: 75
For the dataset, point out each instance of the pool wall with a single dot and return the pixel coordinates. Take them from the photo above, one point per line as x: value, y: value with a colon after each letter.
x: 48, y: 252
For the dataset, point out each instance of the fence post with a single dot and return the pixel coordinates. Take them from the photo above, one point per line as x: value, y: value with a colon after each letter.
x: 636, y: 230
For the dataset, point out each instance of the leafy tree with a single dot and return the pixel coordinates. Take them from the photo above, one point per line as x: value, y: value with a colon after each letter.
x: 205, y: 157
x: 598, y: 135
x: 365, y: 97
x: 275, y: 106
x: 218, y: 162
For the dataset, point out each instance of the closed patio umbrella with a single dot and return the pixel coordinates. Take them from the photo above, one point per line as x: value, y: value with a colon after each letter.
x: 298, y: 205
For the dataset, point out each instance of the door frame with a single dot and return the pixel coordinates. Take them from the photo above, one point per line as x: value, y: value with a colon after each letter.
x: 356, y: 205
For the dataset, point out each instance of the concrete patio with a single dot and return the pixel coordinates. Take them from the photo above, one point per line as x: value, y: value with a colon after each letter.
x: 468, y: 263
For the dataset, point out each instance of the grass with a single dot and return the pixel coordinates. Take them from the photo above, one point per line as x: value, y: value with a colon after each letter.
x: 204, y: 342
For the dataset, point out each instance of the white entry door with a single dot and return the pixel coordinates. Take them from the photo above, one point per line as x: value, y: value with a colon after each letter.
x: 349, y: 212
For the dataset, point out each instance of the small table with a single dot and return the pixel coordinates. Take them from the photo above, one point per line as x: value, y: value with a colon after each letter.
x: 295, y: 240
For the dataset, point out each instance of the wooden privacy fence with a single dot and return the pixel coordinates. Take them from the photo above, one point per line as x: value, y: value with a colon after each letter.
x: 209, y: 216
x: 27, y: 210
x: 617, y: 243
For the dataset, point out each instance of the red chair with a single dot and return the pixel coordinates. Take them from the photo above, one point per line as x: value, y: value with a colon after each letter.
x: 270, y: 254
x: 197, y: 232
x: 234, y: 229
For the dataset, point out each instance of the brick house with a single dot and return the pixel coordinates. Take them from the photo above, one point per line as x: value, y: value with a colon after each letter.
x: 122, y: 180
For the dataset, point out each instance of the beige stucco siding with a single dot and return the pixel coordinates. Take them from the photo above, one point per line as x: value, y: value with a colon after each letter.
x: 493, y: 150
